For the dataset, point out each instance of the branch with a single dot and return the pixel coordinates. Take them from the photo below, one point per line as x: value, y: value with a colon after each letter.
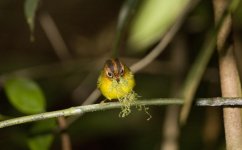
x: 125, y: 16
x: 229, y: 77
x: 65, y: 138
x: 84, y: 109
x: 54, y: 36
x: 219, y: 101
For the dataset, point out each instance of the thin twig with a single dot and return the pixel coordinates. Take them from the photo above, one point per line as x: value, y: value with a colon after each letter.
x: 125, y: 15
x: 65, y: 138
x: 84, y: 109
x: 112, y: 105
x: 171, y: 129
x: 219, y: 102
x: 54, y: 36
x: 194, y: 77
x: 159, y: 48
x: 43, y: 71
x: 165, y: 40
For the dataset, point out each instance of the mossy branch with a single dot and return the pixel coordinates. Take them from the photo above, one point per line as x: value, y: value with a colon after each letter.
x: 112, y: 105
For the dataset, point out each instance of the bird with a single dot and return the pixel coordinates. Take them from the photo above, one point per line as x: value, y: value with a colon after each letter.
x: 115, y: 80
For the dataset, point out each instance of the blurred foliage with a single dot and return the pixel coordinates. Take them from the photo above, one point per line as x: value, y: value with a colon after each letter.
x: 152, y: 20
x: 25, y: 95
x: 89, y: 28
x: 41, y: 135
x: 30, y: 8
x: 41, y: 142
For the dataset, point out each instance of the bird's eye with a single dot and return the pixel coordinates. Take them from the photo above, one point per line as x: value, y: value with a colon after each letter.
x: 109, y: 74
x: 121, y: 72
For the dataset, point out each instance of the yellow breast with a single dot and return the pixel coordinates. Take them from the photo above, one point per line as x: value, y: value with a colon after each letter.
x: 112, y: 89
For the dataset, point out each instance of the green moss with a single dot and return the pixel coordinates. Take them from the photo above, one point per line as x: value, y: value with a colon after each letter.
x: 129, y: 100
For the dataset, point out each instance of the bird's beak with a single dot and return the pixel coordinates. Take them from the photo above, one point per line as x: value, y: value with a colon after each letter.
x: 117, y: 79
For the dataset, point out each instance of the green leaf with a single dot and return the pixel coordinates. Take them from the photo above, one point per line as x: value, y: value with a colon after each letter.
x: 152, y: 20
x: 25, y: 95
x: 43, y: 135
x: 30, y: 7
x: 234, y: 5
x: 40, y: 142
x: 43, y: 126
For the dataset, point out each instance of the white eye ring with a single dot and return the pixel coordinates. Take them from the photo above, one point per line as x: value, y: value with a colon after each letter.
x: 109, y: 74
